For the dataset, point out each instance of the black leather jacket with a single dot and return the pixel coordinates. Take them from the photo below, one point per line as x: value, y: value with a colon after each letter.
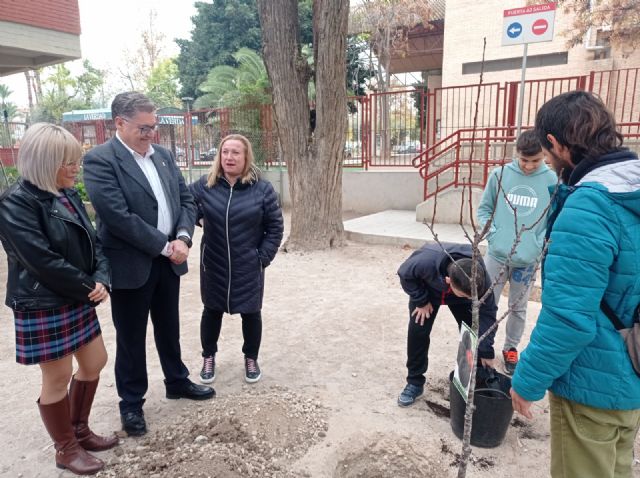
x: 53, y: 258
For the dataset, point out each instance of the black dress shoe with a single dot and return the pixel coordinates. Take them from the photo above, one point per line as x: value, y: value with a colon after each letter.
x: 133, y: 423
x: 192, y: 391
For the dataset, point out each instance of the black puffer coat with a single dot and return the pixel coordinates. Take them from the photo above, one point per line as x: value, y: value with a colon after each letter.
x: 243, y: 229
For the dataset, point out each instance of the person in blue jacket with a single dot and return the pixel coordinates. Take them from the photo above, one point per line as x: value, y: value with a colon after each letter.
x: 516, y: 195
x: 431, y: 277
x: 243, y: 228
x: 593, y: 256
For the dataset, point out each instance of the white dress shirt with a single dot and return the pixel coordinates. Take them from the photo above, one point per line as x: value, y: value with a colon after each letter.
x: 165, y: 219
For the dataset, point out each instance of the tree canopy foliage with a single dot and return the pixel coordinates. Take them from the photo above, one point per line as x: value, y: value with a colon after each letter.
x: 8, y: 109
x: 388, y: 23
x: 140, y: 63
x: 621, y: 18
x: 248, y: 84
x: 64, y: 92
x: 359, y: 70
x: 163, y: 85
x: 220, y: 29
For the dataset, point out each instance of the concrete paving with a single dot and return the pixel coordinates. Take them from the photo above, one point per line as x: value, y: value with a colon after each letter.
x: 400, y: 228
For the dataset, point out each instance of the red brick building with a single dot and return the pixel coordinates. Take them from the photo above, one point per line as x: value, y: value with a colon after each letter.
x: 37, y: 33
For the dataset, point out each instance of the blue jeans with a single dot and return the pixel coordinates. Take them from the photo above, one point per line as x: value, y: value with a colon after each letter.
x: 520, y: 282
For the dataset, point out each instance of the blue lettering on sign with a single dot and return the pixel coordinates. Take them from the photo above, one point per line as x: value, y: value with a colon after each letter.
x: 514, y: 30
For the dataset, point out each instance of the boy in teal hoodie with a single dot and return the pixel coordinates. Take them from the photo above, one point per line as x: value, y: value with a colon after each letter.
x: 524, y: 195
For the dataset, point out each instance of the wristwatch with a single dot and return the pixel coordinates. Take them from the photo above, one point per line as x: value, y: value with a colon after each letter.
x: 186, y: 240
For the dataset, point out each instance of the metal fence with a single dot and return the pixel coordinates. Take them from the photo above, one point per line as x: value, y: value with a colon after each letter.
x: 10, y: 135
x: 405, y: 128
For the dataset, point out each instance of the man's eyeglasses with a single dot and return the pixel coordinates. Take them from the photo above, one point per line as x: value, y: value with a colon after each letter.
x: 144, y: 129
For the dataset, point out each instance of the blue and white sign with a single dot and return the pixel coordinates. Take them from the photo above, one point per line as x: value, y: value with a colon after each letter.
x: 514, y: 30
x: 530, y: 24
x: 105, y: 114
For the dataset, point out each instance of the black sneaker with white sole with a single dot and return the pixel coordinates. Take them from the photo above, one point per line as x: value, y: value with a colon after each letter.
x: 252, y: 371
x: 208, y: 372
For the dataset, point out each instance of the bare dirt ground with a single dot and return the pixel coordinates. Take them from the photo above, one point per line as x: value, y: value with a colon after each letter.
x: 333, y: 357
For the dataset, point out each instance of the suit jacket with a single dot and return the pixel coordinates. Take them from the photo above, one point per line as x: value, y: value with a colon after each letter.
x: 127, y: 209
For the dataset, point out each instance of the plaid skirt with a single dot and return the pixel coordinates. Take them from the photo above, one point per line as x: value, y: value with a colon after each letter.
x: 46, y: 335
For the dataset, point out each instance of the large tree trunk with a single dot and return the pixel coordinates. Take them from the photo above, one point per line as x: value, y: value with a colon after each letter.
x: 314, y: 158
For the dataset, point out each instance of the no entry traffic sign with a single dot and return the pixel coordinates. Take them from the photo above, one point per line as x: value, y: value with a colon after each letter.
x: 540, y: 26
x: 530, y: 24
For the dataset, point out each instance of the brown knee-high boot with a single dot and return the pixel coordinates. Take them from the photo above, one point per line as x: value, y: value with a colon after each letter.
x: 81, y: 395
x: 69, y: 453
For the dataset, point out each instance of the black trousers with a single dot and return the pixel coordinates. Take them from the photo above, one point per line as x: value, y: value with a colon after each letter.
x: 211, y: 324
x: 130, y: 310
x: 418, y: 339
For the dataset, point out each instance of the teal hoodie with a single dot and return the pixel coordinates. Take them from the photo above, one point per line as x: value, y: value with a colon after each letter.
x: 530, y: 196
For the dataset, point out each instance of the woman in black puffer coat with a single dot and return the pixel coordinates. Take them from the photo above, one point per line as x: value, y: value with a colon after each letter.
x: 243, y: 229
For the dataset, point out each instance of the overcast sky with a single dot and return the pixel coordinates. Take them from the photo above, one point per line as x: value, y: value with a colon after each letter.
x: 110, y: 27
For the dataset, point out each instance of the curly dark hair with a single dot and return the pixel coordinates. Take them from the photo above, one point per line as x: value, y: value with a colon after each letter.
x: 580, y: 121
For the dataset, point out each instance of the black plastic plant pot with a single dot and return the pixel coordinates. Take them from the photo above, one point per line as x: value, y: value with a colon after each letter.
x: 492, y: 415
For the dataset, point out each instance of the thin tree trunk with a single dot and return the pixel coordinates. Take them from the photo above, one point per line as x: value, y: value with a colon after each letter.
x: 37, y: 85
x: 27, y: 77
x: 314, y: 158
x: 475, y: 325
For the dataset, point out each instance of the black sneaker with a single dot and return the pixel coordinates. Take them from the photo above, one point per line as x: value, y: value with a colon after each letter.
x: 252, y: 371
x: 208, y: 372
x: 510, y: 360
x: 409, y: 394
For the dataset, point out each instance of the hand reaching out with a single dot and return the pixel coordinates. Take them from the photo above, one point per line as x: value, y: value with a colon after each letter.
x: 520, y: 405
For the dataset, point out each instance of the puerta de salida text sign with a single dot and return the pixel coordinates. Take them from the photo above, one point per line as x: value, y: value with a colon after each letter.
x: 530, y: 24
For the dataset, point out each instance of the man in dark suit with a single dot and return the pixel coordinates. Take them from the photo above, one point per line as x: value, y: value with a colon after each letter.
x: 146, y: 218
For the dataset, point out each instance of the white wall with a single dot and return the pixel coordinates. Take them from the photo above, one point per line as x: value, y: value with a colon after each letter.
x: 367, y: 191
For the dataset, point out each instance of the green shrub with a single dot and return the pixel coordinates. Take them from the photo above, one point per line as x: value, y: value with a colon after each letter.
x: 82, y: 191
x: 8, y: 176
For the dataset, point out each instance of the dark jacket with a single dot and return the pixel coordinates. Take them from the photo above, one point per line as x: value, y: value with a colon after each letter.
x: 422, y: 277
x: 243, y: 229
x: 53, y: 258
x: 127, y: 209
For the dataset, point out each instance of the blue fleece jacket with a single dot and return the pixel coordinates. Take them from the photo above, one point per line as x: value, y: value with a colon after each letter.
x: 594, y: 252
x: 529, y: 196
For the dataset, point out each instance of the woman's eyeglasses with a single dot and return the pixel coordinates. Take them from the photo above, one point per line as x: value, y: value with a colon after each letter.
x: 72, y: 164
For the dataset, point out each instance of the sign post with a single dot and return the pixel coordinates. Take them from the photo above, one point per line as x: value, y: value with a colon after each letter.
x: 532, y: 24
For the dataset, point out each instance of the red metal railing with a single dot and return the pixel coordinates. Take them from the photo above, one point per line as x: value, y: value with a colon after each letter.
x: 620, y: 91
x: 10, y: 136
x: 442, y: 163
x: 451, y: 164
x: 405, y: 128
x: 8, y: 156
